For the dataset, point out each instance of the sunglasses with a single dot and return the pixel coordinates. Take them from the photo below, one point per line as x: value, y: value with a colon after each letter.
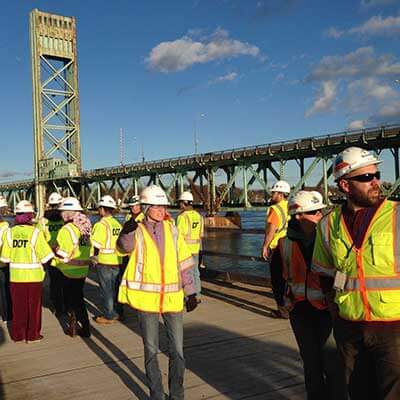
x: 365, y: 177
x: 314, y: 212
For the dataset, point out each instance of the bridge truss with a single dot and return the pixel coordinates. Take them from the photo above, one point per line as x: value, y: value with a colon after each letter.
x: 237, y: 179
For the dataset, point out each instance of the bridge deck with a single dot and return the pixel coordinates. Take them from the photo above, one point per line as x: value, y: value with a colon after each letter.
x: 233, y: 349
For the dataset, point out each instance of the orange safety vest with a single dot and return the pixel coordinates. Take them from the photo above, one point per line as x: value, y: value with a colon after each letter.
x: 303, y: 284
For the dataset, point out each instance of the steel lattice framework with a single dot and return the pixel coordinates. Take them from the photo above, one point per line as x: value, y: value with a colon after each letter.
x: 223, y: 180
x: 55, y: 100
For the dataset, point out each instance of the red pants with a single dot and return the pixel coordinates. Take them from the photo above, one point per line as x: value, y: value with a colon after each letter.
x: 27, y: 310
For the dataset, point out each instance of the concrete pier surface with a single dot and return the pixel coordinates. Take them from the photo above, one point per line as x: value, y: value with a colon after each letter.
x: 233, y: 349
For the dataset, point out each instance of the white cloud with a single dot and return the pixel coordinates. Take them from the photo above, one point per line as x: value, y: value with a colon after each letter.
x: 362, y: 62
x: 279, y: 77
x: 356, y: 124
x: 182, y: 53
x: 334, y: 33
x: 378, y: 26
x: 231, y: 76
x: 366, y: 4
x: 325, y: 98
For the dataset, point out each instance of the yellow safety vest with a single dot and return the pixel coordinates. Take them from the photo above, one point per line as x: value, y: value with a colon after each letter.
x: 3, y: 229
x: 190, y: 225
x: 139, y: 217
x: 281, y: 210
x: 372, y: 287
x: 42, y: 224
x: 104, y: 238
x: 54, y: 227
x: 73, y: 252
x: 154, y: 285
x: 26, y: 249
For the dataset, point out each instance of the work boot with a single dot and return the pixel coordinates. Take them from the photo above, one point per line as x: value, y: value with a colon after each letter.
x: 104, y: 321
x: 72, y: 325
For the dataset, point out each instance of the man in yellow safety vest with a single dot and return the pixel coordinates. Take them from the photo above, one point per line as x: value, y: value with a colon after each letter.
x: 156, y: 283
x: 6, y: 308
x: 135, y: 210
x: 357, y: 250
x: 190, y: 224
x: 276, y: 223
x: 26, y: 250
x: 106, y: 259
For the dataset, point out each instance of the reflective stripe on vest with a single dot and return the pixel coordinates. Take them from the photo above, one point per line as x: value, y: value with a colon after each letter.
x: 303, y: 283
x: 74, y: 268
x: 3, y: 227
x: 32, y: 269
x: 283, y: 218
x: 372, y: 288
x: 149, y: 283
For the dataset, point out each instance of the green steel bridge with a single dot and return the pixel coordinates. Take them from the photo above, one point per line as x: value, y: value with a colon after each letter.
x: 222, y: 180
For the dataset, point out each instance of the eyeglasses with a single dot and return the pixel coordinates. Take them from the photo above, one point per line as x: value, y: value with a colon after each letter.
x: 313, y: 212
x: 369, y: 177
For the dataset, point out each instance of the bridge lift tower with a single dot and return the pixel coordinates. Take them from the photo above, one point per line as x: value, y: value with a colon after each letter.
x: 55, y: 102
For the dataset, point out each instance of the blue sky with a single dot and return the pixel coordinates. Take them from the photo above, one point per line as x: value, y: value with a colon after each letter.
x: 248, y: 72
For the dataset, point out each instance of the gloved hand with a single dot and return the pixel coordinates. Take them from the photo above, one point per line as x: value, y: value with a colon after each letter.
x: 129, y: 226
x: 191, y: 303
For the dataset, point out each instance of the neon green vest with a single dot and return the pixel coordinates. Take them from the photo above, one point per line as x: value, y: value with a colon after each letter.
x: 3, y: 228
x: 104, y: 238
x: 154, y: 285
x: 73, y: 252
x: 53, y: 228
x: 190, y: 225
x: 372, y: 289
x: 26, y: 249
x: 281, y: 210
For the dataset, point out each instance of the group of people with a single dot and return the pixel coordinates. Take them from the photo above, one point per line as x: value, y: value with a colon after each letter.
x: 336, y: 276
x: 149, y: 263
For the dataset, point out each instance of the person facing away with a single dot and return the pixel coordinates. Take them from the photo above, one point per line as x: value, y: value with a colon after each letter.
x: 51, y: 223
x: 190, y: 224
x: 26, y: 250
x: 157, y: 283
x: 357, y: 249
x: 106, y: 259
x: 72, y: 260
x: 305, y: 301
x: 5, y: 296
x: 276, y: 223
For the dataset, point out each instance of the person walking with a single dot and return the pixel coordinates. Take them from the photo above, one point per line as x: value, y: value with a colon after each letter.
x: 157, y: 282
x: 52, y: 222
x: 190, y: 224
x: 73, y: 253
x: 26, y: 250
x: 106, y: 259
x: 357, y: 247
x: 305, y: 300
x: 5, y: 296
x: 277, y: 219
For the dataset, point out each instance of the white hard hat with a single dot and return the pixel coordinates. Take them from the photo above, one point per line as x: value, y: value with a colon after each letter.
x: 133, y: 201
x: 55, y: 199
x: 107, y: 201
x: 24, y: 206
x: 281, y: 186
x: 70, y: 204
x: 186, y: 196
x: 3, y: 202
x: 154, y: 195
x: 304, y: 201
x: 351, y: 159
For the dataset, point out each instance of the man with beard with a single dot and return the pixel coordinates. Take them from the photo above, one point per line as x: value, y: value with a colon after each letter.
x: 357, y: 246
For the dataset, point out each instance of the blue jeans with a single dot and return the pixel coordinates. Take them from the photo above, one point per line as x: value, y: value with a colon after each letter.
x: 108, y: 280
x: 149, y: 325
x: 196, y: 274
